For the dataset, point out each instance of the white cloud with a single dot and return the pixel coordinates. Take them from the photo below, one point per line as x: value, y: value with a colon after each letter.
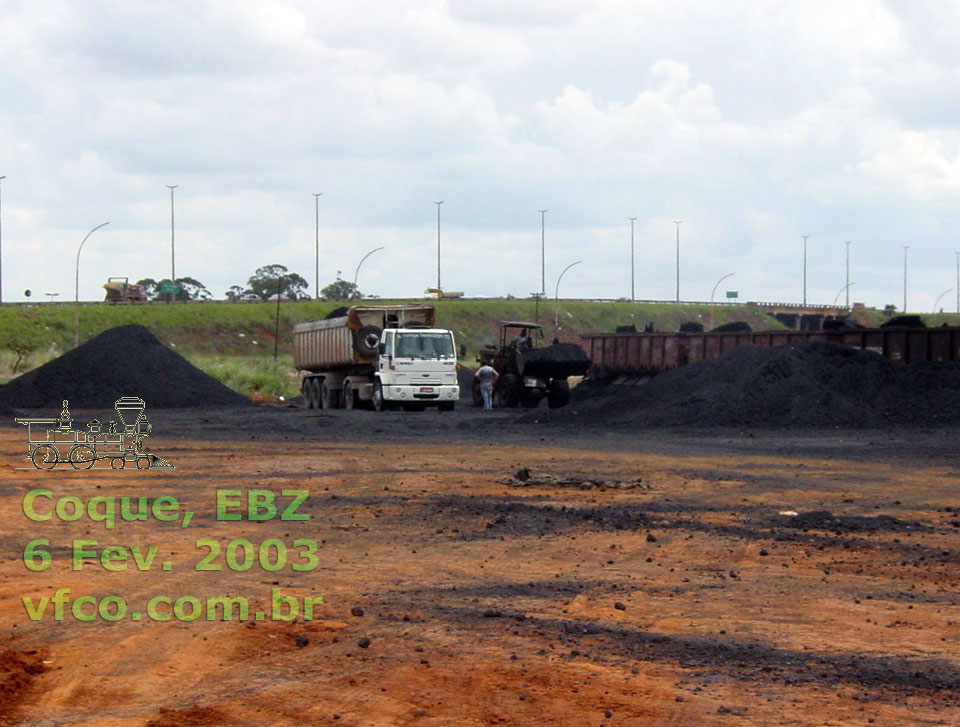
x: 754, y: 122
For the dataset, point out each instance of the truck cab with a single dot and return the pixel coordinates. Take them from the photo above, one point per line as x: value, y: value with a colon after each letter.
x: 416, y: 367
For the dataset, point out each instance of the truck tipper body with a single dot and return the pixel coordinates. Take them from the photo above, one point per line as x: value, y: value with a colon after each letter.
x: 382, y: 356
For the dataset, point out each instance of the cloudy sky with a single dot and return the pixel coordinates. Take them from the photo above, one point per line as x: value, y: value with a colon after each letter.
x: 754, y: 122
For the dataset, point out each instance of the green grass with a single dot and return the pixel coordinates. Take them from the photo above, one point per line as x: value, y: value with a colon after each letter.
x: 257, y: 374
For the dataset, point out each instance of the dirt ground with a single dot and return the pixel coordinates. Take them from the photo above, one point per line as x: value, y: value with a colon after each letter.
x: 452, y: 597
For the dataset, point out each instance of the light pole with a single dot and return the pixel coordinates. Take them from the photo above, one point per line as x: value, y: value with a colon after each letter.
x: 439, y: 290
x: 1, y: 240
x: 316, y: 242
x: 937, y: 301
x: 376, y: 249
x: 173, y: 263
x: 678, y: 223
x: 556, y: 295
x: 805, y: 269
x: 632, y: 294
x: 905, y: 248
x: 837, y: 297
x: 717, y: 284
x: 543, y: 252
x: 76, y: 287
x: 847, y: 286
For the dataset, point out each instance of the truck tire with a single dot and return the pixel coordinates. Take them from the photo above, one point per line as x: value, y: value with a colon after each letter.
x: 311, y: 393
x: 305, y: 393
x: 366, y: 340
x: 559, y: 394
x: 508, y: 389
x: 329, y: 397
x: 379, y: 403
x: 349, y: 395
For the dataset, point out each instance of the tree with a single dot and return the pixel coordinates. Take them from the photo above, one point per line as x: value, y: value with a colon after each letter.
x: 341, y: 289
x: 235, y: 292
x: 190, y: 289
x: 264, y: 282
x: 149, y: 286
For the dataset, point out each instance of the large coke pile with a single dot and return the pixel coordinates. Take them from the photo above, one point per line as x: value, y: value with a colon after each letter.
x: 812, y: 383
x: 122, y: 361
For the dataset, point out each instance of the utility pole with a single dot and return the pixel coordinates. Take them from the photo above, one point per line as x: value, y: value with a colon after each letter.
x: 958, y: 280
x: 905, y: 248
x: 847, y: 287
x: 678, y: 223
x: 805, y: 269
x: 1, y: 241
x: 316, y: 271
x: 173, y: 264
x: 632, y: 294
x: 439, y: 289
x: 543, y: 253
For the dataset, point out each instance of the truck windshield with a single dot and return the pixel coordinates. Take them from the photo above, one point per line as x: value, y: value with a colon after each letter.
x: 424, y: 345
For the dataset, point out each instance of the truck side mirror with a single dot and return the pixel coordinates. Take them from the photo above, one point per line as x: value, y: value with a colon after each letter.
x: 463, y: 350
x: 381, y: 348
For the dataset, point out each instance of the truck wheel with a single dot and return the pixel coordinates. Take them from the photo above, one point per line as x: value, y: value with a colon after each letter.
x: 559, y: 394
x: 306, y: 390
x: 379, y: 403
x: 509, y: 390
x: 349, y: 397
x: 329, y: 398
x: 366, y: 340
x: 313, y: 394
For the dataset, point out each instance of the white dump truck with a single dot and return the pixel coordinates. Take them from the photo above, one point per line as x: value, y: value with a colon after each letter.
x: 382, y: 356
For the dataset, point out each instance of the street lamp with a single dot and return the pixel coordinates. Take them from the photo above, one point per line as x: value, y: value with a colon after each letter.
x: 937, y: 301
x: 173, y: 265
x: 76, y: 287
x: 51, y: 296
x: 805, y: 269
x: 556, y: 294
x: 632, y: 295
x: 1, y: 241
x: 543, y: 253
x: 439, y: 289
x: 718, y: 285
x: 678, y: 223
x: 837, y: 297
x: 316, y: 272
x: 905, y: 248
x: 847, y: 286
x: 376, y: 249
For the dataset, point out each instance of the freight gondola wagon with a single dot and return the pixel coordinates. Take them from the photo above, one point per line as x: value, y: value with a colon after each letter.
x: 52, y: 441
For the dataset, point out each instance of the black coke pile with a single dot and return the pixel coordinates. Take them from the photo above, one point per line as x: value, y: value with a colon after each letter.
x: 811, y: 383
x: 122, y: 361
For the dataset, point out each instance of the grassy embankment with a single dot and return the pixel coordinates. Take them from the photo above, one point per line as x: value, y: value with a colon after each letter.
x: 234, y: 341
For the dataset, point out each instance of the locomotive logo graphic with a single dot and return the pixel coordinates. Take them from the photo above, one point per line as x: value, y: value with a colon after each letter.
x: 53, y: 442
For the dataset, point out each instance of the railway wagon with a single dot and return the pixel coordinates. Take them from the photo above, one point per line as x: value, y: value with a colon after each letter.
x: 643, y: 354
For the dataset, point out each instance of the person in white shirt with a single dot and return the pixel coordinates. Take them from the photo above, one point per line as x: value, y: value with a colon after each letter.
x: 487, y: 376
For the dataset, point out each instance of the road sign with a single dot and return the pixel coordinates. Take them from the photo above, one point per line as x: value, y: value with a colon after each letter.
x: 172, y: 288
x: 733, y: 294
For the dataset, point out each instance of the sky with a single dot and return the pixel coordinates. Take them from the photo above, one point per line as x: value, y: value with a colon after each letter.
x: 753, y: 122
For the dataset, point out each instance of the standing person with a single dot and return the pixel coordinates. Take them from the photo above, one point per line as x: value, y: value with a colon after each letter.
x: 487, y: 376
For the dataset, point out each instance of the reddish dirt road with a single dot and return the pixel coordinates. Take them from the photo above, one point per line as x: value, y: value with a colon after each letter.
x: 451, y: 598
